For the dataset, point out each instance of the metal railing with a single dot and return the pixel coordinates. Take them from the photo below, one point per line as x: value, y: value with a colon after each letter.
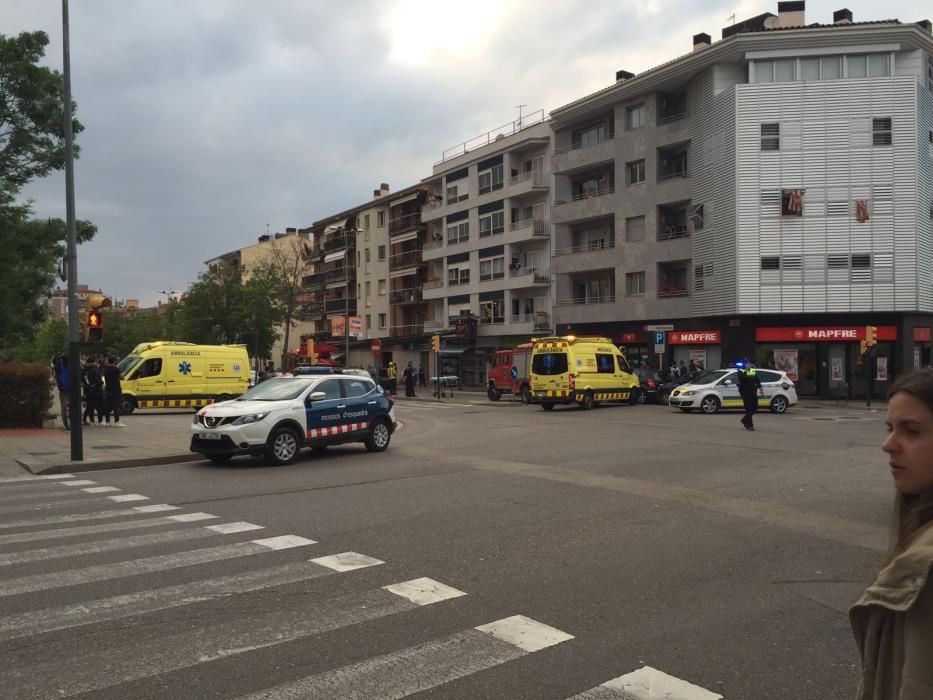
x: 541, y: 226
x: 409, y: 295
x: 665, y: 292
x: 578, y: 146
x: 589, y: 247
x: 338, y: 274
x: 488, y: 320
x: 540, y: 275
x: 670, y: 233
x: 433, y: 284
x: 403, y: 223
x: 490, y: 136
x: 339, y: 243
x: 667, y: 118
x: 335, y: 306
x: 602, y: 191
x: 407, y: 259
x: 312, y: 280
x: 673, y: 174
x: 522, y: 318
x: 433, y: 244
x: 536, y: 177
x: 435, y: 326
x: 408, y: 330
x: 575, y: 301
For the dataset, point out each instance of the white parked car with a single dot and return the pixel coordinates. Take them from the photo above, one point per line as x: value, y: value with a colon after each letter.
x: 719, y: 389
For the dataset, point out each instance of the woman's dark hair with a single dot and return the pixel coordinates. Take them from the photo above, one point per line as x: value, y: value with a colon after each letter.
x: 912, y: 512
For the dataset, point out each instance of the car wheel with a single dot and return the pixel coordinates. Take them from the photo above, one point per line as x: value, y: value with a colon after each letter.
x: 220, y: 459
x: 778, y: 404
x: 709, y: 405
x: 526, y: 395
x: 637, y: 396
x: 127, y: 405
x: 493, y: 393
x: 588, y: 402
x: 662, y: 398
x: 379, y: 436
x: 283, y: 446
x: 547, y: 407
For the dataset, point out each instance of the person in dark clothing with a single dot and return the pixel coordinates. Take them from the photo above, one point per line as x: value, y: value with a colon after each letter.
x: 63, y: 382
x: 749, y: 388
x: 113, y: 392
x: 421, y: 376
x: 409, y: 376
x: 93, y: 393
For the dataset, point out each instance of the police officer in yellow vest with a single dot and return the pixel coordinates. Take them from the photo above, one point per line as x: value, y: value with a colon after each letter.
x: 392, y: 374
x: 749, y: 387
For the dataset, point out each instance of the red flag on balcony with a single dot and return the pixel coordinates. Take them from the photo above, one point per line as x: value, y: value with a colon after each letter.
x: 861, y: 210
x: 794, y: 203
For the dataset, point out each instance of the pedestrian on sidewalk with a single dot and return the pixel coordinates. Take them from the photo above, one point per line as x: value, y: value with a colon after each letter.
x: 113, y: 392
x: 63, y: 382
x: 749, y: 388
x: 421, y: 376
x: 409, y: 375
x: 93, y: 386
x: 893, y: 620
x: 392, y: 376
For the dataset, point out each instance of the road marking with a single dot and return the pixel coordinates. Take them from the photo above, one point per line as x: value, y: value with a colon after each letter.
x: 230, y: 528
x: 78, y: 517
x: 647, y: 684
x: 79, y: 482
x: 56, y: 476
x: 106, y: 572
x: 525, y: 633
x: 139, y: 658
x: 52, y: 505
x: 112, y: 545
x: 419, y: 668
x: 128, y: 497
x: 105, y: 609
x: 34, y: 479
x: 423, y: 591
x: 284, y: 542
x: 100, y: 489
x: 347, y: 561
x: 45, y: 494
x: 98, y: 529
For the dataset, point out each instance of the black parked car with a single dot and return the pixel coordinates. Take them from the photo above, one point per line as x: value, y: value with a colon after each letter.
x: 650, y: 381
x: 665, y: 389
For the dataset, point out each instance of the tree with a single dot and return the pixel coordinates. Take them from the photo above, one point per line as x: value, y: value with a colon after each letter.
x: 32, y: 114
x: 282, y: 273
x: 259, y: 319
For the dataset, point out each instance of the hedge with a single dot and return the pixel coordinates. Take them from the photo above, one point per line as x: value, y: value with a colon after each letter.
x: 26, y: 394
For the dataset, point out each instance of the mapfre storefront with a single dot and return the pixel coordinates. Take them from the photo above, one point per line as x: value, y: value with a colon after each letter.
x: 702, y: 348
x: 827, y: 360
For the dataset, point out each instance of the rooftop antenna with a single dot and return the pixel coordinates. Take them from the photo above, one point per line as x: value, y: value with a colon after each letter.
x: 732, y: 17
x: 267, y: 228
x: 518, y: 124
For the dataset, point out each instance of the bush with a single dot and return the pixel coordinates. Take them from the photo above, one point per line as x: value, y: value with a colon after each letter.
x: 26, y: 392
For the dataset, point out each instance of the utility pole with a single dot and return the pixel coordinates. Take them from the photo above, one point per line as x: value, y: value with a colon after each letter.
x: 71, y: 260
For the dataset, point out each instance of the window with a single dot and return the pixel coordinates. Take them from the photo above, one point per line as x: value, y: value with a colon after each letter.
x: 382, y: 288
x: 369, y: 321
x: 857, y: 66
x: 492, y: 269
x: 492, y: 311
x: 698, y: 277
x: 330, y: 387
x: 452, y: 194
x: 635, y: 116
x: 381, y: 253
x: 549, y: 363
x: 458, y: 275
x: 458, y: 233
x: 368, y: 293
x: 636, y: 172
x: 491, y: 179
x: 367, y: 256
x: 592, y: 239
x: 784, y: 70
x: 494, y: 223
x: 771, y: 262
x: 792, y: 202
x: 696, y: 215
x: 767, y: 377
x: 635, y: 229
x: 380, y: 219
x: 605, y: 364
x: 589, y: 136
x: 366, y: 222
x: 355, y: 388
x: 764, y: 71
x: 791, y: 262
x: 382, y: 321
x: 635, y: 284
x: 861, y: 261
x: 830, y: 67
x: 150, y: 368
x: 624, y: 366
x: 837, y: 262
x: 809, y: 69
x: 881, y: 131
x: 771, y: 137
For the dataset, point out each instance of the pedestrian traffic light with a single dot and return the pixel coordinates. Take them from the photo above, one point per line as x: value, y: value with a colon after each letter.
x: 871, y: 338
x: 436, y: 343
x: 95, y: 327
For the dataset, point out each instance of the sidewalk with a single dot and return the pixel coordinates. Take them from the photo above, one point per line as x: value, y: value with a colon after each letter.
x: 155, y: 438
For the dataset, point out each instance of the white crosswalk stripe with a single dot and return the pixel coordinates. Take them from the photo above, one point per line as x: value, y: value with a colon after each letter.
x: 647, y: 683
x: 81, y: 530
x: 85, y: 500
x: 77, y: 517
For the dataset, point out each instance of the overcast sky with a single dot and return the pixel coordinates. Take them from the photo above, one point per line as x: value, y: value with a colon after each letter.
x: 207, y: 121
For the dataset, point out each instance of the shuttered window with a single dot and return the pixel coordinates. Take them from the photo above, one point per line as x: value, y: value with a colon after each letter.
x: 771, y: 262
x: 771, y: 137
x: 881, y: 131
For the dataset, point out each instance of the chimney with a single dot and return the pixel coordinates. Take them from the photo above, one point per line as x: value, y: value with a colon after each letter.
x: 792, y: 14
x: 925, y: 25
x: 701, y: 41
x: 623, y: 75
x: 384, y: 189
x: 842, y: 16
x: 376, y: 194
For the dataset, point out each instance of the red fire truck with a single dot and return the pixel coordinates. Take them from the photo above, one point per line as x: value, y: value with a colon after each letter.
x: 508, y: 373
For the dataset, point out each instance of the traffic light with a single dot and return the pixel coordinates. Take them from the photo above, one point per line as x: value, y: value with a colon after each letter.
x: 436, y: 343
x: 312, y: 356
x: 95, y: 327
x: 871, y: 338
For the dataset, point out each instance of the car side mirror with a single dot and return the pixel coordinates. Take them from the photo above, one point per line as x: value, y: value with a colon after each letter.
x: 316, y: 396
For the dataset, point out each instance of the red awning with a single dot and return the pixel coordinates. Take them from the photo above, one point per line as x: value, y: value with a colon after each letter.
x: 325, y: 347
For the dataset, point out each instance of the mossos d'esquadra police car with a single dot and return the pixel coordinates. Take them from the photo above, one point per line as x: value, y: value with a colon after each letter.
x: 719, y: 389
x: 277, y: 418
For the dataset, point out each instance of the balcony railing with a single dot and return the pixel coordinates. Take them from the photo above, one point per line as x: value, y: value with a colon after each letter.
x: 312, y: 280
x: 540, y: 275
x: 337, y: 306
x: 670, y: 232
x: 541, y: 227
x: 339, y: 243
x: 405, y: 331
x: 404, y: 223
x: 536, y: 177
x: 338, y: 274
x: 600, y: 192
x: 489, y: 320
x: 409, y: 258
x: 673, y: 173
x: 577, y: 146
x: 433, y: 244
x: 588, y: 247
x: 410, y: 295
x: 433, y: 284
x: 574, y: 301
x: 667, y: 117
x: 432, y: 325
x: 665, y: 292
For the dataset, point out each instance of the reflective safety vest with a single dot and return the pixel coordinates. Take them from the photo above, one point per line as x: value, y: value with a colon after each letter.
x: 392, y: 372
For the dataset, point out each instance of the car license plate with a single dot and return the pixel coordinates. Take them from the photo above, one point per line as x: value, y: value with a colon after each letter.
x: 210, y: 436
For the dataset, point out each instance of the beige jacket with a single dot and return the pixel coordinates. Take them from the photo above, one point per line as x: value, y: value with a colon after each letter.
x: 893, y: 626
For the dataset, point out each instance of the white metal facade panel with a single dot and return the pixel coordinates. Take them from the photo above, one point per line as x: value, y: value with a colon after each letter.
x: 925, y: 196
x: 826, y: 150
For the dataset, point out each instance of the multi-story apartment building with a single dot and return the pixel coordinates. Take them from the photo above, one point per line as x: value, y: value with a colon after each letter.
x: 367, y: 263
x: 488, y: 261
x: 768, y: 195
x: 58, y: 302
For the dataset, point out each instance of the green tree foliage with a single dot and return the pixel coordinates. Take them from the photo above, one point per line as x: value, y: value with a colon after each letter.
x: 124, y: 329
x: 32, y: 110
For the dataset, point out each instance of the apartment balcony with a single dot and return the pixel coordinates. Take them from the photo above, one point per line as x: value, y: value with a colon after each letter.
x: 435, y: 326
x: 313, y: 280
x: 529, y: 276
x: 673, y: 162
x: 315, y: 308
x: 404, y: 223
x: 311, y: 252
x: 584, y: 205
x: 673, y: 279
x: 586, y: 300
x: 672, y: 107
x: 491, y: 320
x: 407, y: 331
x: 409, y: 295
x: 673, y: 222
x: 536, y: 227
x: 579, y: 155
x: 338, y: 274
x: 531, y: 181
x: 539, y: 321
x: 339, y: 242
x: 588, y: 247
x: 410, y: 258
x: 339, y: 306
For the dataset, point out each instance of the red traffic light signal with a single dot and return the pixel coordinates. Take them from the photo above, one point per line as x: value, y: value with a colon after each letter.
x: 95, y: 327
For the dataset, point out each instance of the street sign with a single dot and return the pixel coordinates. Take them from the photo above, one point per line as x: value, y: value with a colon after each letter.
x: 513, y: 373
x: 660, y: 327
x: 659, y: 337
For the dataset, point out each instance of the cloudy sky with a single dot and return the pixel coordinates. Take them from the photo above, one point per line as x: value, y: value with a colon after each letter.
x: 207, y: 121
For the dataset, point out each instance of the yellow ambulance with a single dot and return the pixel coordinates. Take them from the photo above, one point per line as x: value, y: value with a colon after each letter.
x: 169, y: 374
x: 585, y: 371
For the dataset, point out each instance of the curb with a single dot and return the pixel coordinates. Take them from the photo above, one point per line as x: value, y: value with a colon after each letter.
x: 39, y: 467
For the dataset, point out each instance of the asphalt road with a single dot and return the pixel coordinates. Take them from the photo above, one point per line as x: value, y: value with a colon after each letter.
x: 625, y: 537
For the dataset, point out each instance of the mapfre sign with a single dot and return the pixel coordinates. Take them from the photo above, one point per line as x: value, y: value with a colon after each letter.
x: 693, y: 338
x: 821, y: 334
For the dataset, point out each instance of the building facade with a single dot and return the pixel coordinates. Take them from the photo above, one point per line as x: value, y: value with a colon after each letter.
x: 767, y: 196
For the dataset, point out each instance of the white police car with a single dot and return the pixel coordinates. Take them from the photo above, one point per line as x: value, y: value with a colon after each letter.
x: 719, y: 389
x: 278, y: 417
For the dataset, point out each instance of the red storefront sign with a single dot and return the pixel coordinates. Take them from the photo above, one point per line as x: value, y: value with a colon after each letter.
x: 633, y: 338
x: 821, y: 334
x: 694, y: 338
x: 922, y: 335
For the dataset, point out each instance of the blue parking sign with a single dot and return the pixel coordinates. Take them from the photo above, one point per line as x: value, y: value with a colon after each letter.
x: 659, y: 337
